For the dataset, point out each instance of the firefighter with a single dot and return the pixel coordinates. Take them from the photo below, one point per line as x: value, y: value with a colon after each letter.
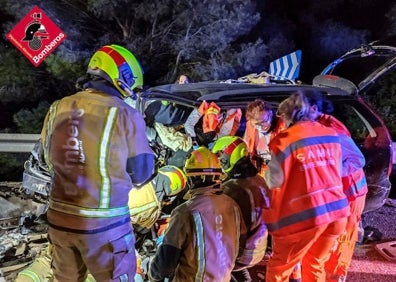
x: 96, y: 149
x: 247, y: 188
x: 143, y: 204
x: 354, y: 184
x: 308, y: 208
x: 203, y: 234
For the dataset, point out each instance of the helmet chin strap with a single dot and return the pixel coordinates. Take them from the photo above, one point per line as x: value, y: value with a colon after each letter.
x: 81, y: 81
x: 225, y: 161
x: 126, y: 88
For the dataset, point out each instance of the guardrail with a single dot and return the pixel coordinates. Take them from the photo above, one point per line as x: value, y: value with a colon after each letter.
x: 24, y: 143
x: 17, y: 143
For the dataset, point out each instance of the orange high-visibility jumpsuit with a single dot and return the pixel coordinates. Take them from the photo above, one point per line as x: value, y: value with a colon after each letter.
x: 355, y: 187
x: 308, y: 207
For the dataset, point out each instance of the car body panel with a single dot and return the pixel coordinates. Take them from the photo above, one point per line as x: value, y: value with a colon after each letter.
x: 227, y: 93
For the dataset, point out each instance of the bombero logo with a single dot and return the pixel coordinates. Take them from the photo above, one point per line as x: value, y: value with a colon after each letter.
x: 36, y: 36
x: 35, y: 32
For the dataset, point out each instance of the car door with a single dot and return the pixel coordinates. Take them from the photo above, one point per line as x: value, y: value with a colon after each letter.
x: 363, y: 72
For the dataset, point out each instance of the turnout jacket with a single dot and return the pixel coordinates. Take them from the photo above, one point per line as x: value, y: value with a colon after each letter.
x: 353, y: 176
x: 248, y: 189
x: 202, y: 240
x: 90, y: 139
x: 304, y: 178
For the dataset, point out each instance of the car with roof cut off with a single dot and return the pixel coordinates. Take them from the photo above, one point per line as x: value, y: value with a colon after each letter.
x: 344, y: 82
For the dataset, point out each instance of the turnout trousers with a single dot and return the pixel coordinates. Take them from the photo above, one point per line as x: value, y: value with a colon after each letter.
x: 108, y: 255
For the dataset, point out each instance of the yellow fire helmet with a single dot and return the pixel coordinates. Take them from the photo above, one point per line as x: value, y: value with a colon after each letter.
x: 119, y: 67
x: 177, y: 179
x: 202, y: 162
x: 232, y: 149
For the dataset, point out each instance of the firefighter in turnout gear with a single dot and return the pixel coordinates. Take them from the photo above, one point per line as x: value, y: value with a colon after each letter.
x: 145, y: 206
x: 145, y: 203
x: 202, y: 240
x: 248, y: 189
x: 96, y: 149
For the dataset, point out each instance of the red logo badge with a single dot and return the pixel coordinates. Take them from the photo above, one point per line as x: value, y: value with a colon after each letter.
x: 36, y: 36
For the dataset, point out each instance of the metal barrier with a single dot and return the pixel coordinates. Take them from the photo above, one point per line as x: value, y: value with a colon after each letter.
x: 24, y: 143
x: 17, y: 143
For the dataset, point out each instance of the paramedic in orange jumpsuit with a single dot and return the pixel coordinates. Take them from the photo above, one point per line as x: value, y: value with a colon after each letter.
x: 308, y: 208
x: 261, y: 127
x: 96, y: 149
x: 355, y: 188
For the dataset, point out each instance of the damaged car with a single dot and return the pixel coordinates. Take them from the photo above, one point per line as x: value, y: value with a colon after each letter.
x: 344, y: 82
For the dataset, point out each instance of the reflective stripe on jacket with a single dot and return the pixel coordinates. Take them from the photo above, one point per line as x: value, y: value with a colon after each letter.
x: 355, y: 184
x: 214, y: 119
x: 87, y: 139
x: 144, y: 206
x: 205, y: 231
x: 354, y: 180
x: 309, y: 155
x: 249, y: 193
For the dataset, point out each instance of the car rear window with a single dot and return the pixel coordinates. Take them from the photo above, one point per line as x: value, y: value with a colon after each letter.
x: 359, y: 120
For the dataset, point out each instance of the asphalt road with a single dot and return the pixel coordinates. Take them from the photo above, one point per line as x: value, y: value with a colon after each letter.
x: 368, y: 264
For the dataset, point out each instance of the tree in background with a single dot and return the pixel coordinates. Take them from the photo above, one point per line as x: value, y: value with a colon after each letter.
x: 391, y: 18
x: 199, y: 37
x: 382, y: 96
x: 26, y: 87
x: 203, y: 38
